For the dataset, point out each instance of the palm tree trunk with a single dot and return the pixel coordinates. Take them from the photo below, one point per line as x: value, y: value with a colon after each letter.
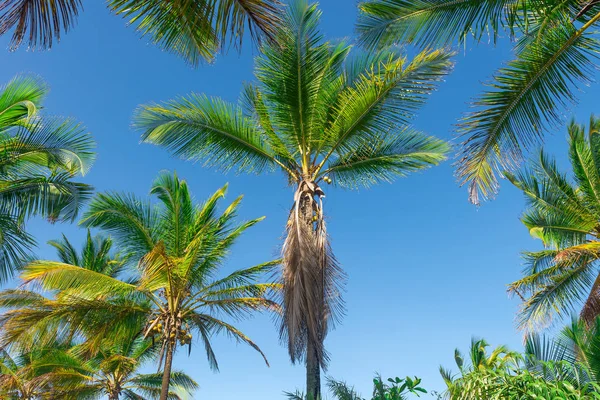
x: 167, y: 370
x: 313, y: 372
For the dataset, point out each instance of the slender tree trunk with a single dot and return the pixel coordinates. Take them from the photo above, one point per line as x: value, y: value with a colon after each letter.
x: 113, y: 396
x: 313, y: 373
x: 167, y: 370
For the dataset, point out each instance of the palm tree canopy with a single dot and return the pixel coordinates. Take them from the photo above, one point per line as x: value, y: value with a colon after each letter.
x: 39, y: 157
x: 556, y: 49
x: 314, y: 112
x: 564, y: 214
x: 178, y: 246
x: 192, y: 29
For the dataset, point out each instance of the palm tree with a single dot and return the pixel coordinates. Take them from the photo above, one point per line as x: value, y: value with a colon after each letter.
x: 179, y: 247
x: 113, y: 372
x: 20, y: 380
x: 556, y: 44
x: 317, y: 116
x: 39, y: 157
x: 66, y: 372
x: 564, y: 215
x: 192, y: 29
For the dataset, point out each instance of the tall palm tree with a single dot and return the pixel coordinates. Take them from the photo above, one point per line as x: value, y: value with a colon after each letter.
x: 556, y: 45
x: 192, y: 29
x: 318, y: 116
x: 39, y: 157
x: 564, y: 215
x: 179, y: 247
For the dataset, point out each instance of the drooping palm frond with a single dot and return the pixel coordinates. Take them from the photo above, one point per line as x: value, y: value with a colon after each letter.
x: 555, y: 52
x: 432, y: 22
x: 526, y: 97
x: 199, y: 128
x: 38, y: 22
x: 196, y: 29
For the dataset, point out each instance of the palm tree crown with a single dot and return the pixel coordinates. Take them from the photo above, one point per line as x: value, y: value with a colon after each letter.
x: 173, y: 293
x: 39, y: 156
x: 564, y: 215
x: 556, y: 46
x: 318, y: 115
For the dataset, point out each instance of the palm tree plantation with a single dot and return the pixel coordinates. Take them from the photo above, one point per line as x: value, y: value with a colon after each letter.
x: 286, y: 199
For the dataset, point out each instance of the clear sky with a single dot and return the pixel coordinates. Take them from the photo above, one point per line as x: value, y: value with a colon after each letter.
x: 426, y: 270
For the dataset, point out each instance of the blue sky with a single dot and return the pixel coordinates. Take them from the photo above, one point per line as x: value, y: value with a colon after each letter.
x: 426, y: 270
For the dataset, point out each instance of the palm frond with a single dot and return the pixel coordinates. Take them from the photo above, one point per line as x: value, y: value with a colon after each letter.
x: 38, y: 22
x: 526, y: 97
x: 432, y: 22
x: 385, y: 96
x: 21, y: 98
x: 132, y: 221
x: 208, y: 129
x: 385, y: 157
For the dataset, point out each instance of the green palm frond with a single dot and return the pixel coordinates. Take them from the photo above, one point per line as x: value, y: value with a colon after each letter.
x: 525, y: 98
x: 200, y: 128
x: 20, y: 99
x: 557, y: 298
x: 88, y: 283
x: 179, y: 379
x: 383, y: 158
x: 432, y: 22
x: 38, y: 22
x: 218, y: 326
x: 342, y: 391
x: 384, y: 95
x: 196, y: 30
x: 130, y: 220
x: 39, y: 157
